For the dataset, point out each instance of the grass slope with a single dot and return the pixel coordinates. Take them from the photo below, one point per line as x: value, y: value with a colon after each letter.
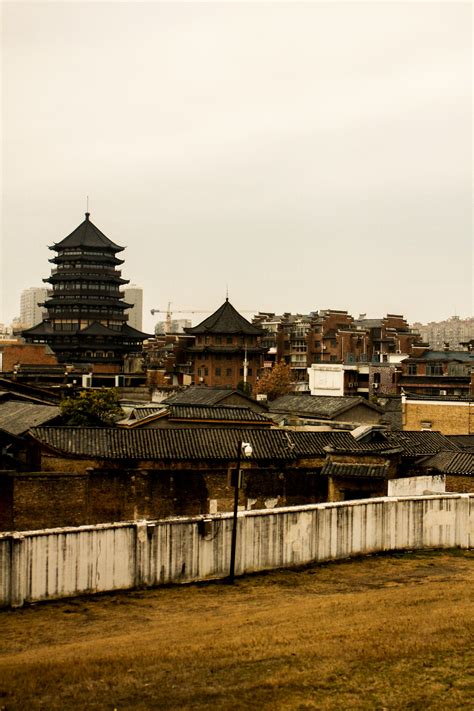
x: 390, y: 632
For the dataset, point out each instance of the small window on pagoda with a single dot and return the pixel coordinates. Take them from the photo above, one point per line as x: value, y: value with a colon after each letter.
x: 218, y: 339
x: 229, y: 339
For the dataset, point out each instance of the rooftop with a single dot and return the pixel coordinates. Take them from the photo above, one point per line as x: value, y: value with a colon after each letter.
x: 89, y: 236
x: 225, y: 320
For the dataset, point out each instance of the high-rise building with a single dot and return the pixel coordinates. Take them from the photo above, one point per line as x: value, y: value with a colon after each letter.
x: 86, y: 321
x: 31, y: 312
x: 134, y: 296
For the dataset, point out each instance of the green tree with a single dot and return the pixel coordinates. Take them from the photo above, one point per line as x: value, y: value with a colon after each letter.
x: 92, y: 408
x: 276, y: 382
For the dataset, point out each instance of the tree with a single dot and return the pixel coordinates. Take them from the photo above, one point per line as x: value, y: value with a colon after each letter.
x: 276, y: 382
x: 92, y: 408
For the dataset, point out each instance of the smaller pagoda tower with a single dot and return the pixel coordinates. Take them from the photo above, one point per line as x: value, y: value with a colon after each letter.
x: 226, y: 351
x: 86, y: 315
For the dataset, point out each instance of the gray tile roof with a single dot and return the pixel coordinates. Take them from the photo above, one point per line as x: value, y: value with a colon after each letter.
x: 17, y: 417
x: 229, y: 413
x: 452, y: 462
x: 340, y: 469
x: 221, y: 443
x: 323, y: 407
x: 234, y: 413
x: 201, y: 395
x: 225, y: 320
x: 419, y: 443
x: 87, y: 235
x: 189, y: 444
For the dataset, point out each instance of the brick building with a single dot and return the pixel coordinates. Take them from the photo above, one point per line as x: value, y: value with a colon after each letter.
x: 438, y: 373
x: 449, y: 415
x: 227, y: 350
x: 333, y: 336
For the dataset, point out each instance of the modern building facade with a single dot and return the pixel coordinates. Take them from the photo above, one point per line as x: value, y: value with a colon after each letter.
x: 86, y: 320
x: 31, y: 308
x: 134, y: 296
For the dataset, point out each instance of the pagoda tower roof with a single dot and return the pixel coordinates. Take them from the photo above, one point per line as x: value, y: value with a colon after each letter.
x: 89, y: 236
x: 225, y: 320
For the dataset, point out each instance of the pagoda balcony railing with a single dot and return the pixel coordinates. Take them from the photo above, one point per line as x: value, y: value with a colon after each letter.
x: 70, y: 271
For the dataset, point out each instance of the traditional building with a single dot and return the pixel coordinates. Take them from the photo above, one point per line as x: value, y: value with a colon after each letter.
x: 227, y: 350
x: 86, y: 321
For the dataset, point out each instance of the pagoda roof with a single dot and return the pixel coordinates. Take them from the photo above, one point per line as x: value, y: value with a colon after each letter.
x: 44, y: 328
x: 134, y: 333
x: 89, y: 236
x: 225, y: 320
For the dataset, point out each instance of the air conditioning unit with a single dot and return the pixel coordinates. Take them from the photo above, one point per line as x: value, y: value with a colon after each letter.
x: 87, y: 381
x: 443, y: 392
x: 375, y: 386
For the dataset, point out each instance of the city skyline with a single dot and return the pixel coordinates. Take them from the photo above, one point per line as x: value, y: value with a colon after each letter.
x: 303, y: 156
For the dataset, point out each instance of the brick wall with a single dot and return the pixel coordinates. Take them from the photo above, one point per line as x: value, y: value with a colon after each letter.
x: 449, y: 417
x: 460, y: 484
x: 26, y: 354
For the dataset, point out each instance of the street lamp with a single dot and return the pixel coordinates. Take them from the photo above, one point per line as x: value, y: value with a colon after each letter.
x: 244, y: 449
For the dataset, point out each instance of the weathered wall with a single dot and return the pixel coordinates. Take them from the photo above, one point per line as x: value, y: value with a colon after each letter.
x: 448, y: 417
x: 59, y: 563
x: 417, y: 485
x: 91, y: 496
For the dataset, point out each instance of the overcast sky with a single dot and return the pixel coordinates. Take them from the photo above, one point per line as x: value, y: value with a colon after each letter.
x: 307, y: 155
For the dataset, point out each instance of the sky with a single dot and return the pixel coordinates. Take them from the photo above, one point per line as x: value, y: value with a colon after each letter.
x: 300, y: 156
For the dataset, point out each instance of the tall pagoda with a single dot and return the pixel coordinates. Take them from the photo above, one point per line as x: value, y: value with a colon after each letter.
x: 86, y: 321
x: 226, y: 350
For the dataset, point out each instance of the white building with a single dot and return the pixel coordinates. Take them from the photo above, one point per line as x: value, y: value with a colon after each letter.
x: 134, y: 295
x: 30, y: 312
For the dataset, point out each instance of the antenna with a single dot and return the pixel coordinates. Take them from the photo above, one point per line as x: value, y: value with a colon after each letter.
x: 227, y: 292
x: 87, y: 203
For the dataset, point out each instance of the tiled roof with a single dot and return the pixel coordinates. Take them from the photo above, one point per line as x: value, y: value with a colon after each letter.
x: 324, y: 407
x: 419, y: 443
x: 341, y: 469
x: 233, y: 413
x: 462, y: 441
x: 230, y: 413
x: 189, y: 444
x: 87, y: 235
x: 17, y: 417
x: 452, y: 462
x: 225, y: 320
x: 201, y: 395
x: 441, y: 356
x: 221, y: 443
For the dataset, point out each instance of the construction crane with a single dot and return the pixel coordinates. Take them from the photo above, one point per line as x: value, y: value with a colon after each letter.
x: 169, y: 314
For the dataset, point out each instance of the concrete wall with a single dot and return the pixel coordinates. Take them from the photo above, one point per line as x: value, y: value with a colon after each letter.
x: 417, y: 485
x: 42, y: 565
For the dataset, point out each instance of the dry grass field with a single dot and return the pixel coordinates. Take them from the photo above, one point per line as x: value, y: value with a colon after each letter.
x: 391, y: 632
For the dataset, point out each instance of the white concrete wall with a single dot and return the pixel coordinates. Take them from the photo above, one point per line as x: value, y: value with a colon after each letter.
x: 325, y: 379
x: 417, y: 485
x: 56, y: 563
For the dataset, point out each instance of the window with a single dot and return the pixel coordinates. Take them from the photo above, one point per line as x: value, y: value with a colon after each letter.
x: 206, y: 371
x: 436, y: 369
x: 218, y: 371
x: 412, y: 369
x: 249, y: 371
x: 376, y: 377
x: 218, y: 339
x: 229, y: 339
x: 228, y: 371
